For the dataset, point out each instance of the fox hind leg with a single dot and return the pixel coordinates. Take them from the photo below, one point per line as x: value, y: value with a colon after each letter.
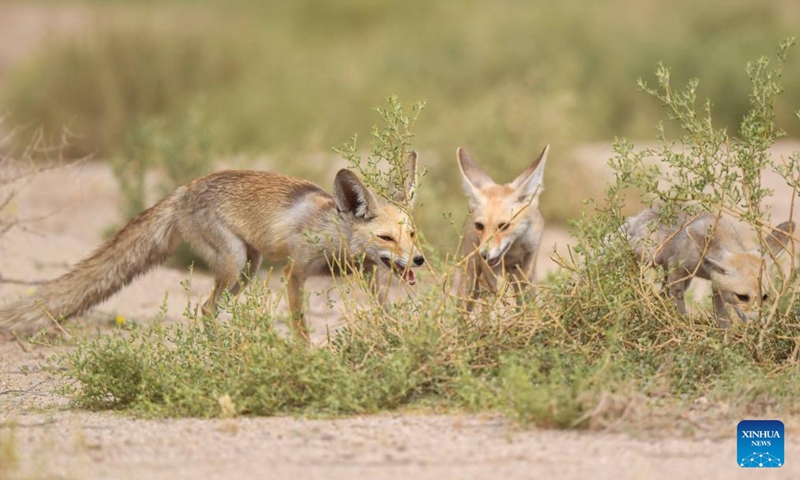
x: 470, y: 285
x: 250, y: 270
x: 227, y: 268
x: 677, y: 281
x: 221, y: 249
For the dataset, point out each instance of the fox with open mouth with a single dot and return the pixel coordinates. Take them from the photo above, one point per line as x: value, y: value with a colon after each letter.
x: 232, y: 220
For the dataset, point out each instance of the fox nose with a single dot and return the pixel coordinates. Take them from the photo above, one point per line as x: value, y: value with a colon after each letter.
x: 418, y: 260
x: 484, y: 254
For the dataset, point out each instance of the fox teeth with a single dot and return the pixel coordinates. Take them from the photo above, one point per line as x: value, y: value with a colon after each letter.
x: 406, y: 273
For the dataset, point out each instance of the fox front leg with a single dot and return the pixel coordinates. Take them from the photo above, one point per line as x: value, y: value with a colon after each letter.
x: 379, y: 289
x: 294, y: 290
x: 470, y: 285
x: 522, y: 277
x: 720, y: 310
x: 521, y: 287
x: 676, y: 283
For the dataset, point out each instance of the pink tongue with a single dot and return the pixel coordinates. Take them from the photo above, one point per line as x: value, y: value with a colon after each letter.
x: 409, y: 276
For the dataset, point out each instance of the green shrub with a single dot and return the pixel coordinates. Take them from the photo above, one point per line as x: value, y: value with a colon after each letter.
x: 596, y: 341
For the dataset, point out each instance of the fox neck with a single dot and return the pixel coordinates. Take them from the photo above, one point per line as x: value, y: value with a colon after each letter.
x: 341, y: 254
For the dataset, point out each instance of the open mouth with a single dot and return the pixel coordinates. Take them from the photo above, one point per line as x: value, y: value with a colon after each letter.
x: 495, y: 261
x: 402, y: 271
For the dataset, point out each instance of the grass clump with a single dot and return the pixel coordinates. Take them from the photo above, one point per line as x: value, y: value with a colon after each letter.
x: 117, y: 76
x: 598, y: 342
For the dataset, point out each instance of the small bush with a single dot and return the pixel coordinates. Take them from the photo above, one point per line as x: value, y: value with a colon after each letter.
x: 596, y: 340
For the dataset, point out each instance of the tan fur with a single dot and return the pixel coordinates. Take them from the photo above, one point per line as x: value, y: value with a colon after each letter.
x: 504, y: 231
x: 234, y: 219
x: 710, y: 248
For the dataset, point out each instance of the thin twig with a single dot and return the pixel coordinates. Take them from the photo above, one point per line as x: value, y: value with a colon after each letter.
x: 28, y: 390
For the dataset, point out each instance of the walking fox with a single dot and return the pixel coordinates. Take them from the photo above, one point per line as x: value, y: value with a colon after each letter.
x: 708, y: 247
x: 505, y: 228
x: 233, y: 219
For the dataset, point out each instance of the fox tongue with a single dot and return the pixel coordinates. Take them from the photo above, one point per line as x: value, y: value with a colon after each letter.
x: 408, y: 275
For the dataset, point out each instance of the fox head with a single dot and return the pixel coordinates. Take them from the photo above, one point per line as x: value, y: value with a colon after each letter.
x: 380, y: 231
x: 740, y: 279
x: 501, y: 213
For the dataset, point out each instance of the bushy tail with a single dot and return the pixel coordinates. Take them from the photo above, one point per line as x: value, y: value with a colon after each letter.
x: 145, y: 242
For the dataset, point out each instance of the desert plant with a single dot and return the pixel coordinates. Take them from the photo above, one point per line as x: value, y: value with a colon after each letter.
x: 596, y: 342
x: 18, y: 167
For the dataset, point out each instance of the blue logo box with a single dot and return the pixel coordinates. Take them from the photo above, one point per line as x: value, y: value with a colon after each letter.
x: 760, y: 444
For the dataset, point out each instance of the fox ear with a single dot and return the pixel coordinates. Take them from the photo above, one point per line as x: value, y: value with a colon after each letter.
x: 714, y: 264
x: 701, y: 231
x: 408, y: 195
x: 351, y: 196
x: 776, y: 242
x: 473, y: 176
x: 531, y: 181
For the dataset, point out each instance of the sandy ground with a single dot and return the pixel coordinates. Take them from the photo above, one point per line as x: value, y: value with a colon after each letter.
x: 77, y: 204
x: 55, y: 441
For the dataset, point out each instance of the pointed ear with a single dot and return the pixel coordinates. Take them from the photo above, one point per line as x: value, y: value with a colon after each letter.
x: 776, y: 242
x: 408, y: 195
x: 473, y: 176
x: 712, y: 263
x: 352, y: 197
x: 531, y: 181
x: 701, y: 232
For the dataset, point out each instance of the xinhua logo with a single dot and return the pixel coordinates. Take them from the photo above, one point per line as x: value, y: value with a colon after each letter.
x: 759, y: 444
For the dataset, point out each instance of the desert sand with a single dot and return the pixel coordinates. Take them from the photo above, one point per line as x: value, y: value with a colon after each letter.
x: 73, y: 207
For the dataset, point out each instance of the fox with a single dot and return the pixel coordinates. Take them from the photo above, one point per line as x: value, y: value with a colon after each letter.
x: 504, y: 228
x: 708, y: 247
x: 233, y: 220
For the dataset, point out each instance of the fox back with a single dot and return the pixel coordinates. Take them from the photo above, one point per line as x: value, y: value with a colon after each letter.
x: 711, y: 248
x: 232, y: 220
x: 282, y: 217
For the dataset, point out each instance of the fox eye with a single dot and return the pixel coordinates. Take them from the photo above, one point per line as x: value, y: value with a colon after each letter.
x: 503, y: 227
x: 764, y: 297
x: 479, y: 226
x: 412, y: 234
x: 743, y: 297
x: 386, y: 238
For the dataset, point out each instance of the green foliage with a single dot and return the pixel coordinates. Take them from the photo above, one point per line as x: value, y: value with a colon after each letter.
x: 178, y: 150
x: 103, y: 85
x: 595, y: 342
x: 553, y: 392
x: 391, y: 146
x: 175, y: 150
x: 293, y: 78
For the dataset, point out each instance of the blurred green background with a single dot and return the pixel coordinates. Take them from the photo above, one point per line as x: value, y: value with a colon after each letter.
x: 287, y: 80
